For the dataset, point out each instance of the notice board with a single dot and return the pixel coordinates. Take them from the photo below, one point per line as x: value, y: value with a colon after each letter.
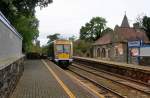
x: 145, y: 51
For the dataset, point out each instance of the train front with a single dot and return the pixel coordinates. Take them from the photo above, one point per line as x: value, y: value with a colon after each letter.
x: 63, y: 53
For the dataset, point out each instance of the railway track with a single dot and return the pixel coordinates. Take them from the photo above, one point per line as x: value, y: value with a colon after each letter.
x: 119, y: 76
x: 130, y: 71
x: 117, y: 86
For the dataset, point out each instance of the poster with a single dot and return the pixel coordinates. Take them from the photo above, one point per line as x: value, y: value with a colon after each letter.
x: 134, y: 52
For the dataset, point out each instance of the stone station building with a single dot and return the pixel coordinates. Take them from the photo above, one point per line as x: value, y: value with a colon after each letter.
x: 113, y: 46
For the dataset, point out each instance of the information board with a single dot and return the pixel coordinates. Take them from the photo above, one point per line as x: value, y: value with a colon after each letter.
x: 145, y: 51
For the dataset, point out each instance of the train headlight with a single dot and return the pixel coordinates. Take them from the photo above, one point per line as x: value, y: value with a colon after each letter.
x: 56, y: 60
x: 56, y: 56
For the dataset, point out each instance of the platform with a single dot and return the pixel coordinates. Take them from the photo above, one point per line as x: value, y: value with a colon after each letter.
x: 145, y: 69
x: 134, y: 72
x: 46, y: 80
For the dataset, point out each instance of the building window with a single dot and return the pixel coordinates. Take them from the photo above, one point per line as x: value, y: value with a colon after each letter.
x: 103, y: 53
x: 116, y: 52
x: 98, y: 52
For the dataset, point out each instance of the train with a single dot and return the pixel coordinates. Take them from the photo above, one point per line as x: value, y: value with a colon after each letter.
x: 11, y: 57
x: 61, y: 51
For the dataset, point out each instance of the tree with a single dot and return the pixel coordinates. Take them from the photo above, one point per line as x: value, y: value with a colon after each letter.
x: 53, y: 37
x: 25, y: 7
x: 28, y: 28
x: 146, y: 25
x: 94, y: 29
x: 107, y: 30
x: 45, y: 49
x: 72, y: 38
x: 21, y: 14
x: 143, y: 23
x: 36, y: 48
x: 80, y: 47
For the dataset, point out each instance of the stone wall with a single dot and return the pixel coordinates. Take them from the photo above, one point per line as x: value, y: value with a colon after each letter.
x: 145, y: 61
x: 111, y: 52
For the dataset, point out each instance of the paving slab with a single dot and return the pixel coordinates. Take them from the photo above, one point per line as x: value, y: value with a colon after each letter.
x: 78, y: 89
x: 39, y: 82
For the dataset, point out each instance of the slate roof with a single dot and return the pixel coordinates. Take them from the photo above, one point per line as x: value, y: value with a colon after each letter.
x: 124, y: 33
x: 131, y: 34
x: 125, y: 22
x: 103, y: 40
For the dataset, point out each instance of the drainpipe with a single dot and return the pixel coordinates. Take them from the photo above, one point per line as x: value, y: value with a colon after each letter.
x: 127, y: 54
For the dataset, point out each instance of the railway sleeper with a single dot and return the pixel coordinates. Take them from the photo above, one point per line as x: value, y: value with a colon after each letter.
x: 132, y: 74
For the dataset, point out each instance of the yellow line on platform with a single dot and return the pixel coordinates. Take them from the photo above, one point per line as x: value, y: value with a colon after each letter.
x: 71, y: 95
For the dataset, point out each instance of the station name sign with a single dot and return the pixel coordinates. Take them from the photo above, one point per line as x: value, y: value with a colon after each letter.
x: 134, y: 44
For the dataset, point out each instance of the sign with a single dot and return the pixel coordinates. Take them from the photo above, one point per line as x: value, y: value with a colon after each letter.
x: 134, y: 44
x: 145, y: 51
x: 134, y: 52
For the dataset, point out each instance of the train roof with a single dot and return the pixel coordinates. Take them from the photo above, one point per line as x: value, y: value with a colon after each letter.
x: 61, y: 41
x: 7, y: 23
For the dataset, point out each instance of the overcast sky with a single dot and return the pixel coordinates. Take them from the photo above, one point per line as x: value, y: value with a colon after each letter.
x: 67, y: 16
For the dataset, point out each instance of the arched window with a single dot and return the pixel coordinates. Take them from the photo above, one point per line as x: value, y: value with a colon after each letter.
x: 98, y: 52
x: 103, y: 53
x: 116, y: 52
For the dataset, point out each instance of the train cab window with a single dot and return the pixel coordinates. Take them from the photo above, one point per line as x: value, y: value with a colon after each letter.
x: 67, y: 48
x: 59, y: 48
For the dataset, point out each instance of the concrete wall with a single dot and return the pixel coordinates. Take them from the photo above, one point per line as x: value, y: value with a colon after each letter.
x: 10, y: 40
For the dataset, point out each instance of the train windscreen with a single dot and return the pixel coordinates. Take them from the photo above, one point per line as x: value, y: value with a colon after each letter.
x: 59, y: 48
x: 63, y: 48
x: 66, y: 48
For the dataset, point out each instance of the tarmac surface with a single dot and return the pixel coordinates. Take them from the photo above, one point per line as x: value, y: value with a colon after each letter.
x: 44, y: 79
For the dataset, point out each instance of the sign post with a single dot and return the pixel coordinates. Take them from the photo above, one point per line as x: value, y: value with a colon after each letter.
x: 134, y: 50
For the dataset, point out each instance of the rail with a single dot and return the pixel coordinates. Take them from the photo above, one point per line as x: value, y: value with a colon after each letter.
x: 115, y: 85
x: 134, y: 72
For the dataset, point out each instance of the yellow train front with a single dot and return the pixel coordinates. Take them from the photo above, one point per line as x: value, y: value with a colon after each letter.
x: 61, y: 52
